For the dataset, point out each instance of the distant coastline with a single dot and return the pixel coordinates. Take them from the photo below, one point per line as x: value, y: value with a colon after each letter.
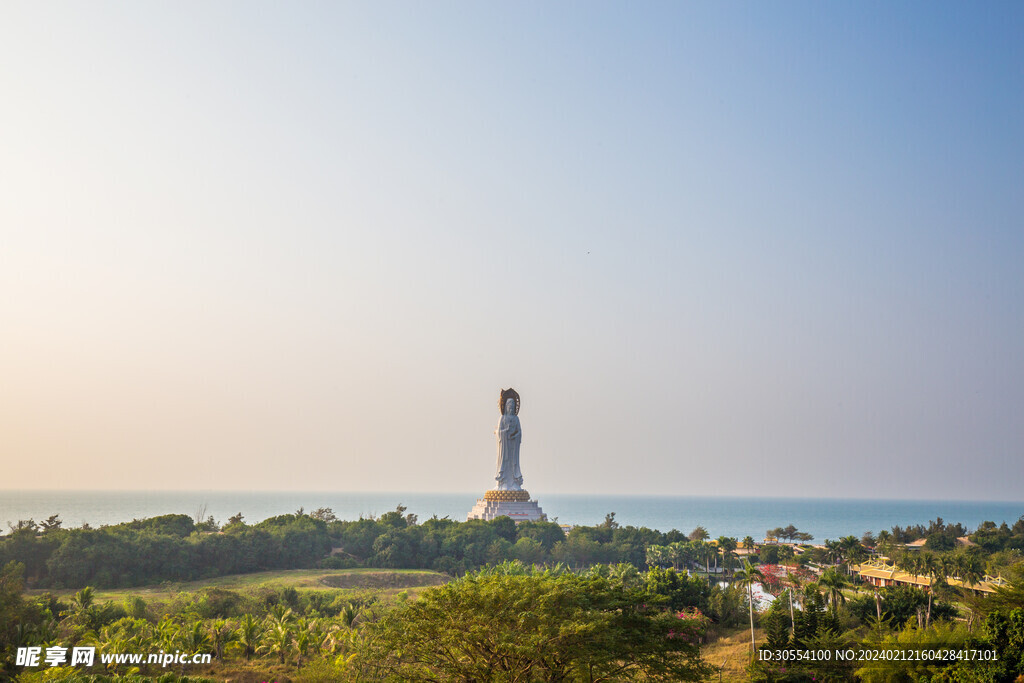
x: 729, y: 516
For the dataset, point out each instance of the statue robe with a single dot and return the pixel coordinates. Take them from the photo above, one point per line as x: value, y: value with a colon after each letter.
x: 510, y: 436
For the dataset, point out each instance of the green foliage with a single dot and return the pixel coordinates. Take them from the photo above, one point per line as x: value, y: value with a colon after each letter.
x: 910, y: 640
x: 994, y: 538
x: 168, y: 525
x: 776, y: 624
x: 726, y: 606
x: 162, y: 549
x: 679, y: 589
x: 940, y: 541
x: 531, y: 627
x: 900, y: 604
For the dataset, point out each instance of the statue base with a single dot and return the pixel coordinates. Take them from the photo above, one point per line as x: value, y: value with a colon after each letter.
x: 515, y: 505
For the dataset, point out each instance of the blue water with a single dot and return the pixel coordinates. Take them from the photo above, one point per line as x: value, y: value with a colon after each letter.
x: 737, y: 517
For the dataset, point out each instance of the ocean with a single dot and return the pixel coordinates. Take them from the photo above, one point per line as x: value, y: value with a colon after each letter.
x: 721, y: 516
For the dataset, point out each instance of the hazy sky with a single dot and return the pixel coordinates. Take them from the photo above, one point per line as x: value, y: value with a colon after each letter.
x: 719, y: 248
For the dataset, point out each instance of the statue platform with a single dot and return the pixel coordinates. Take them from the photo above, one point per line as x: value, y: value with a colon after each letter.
x: 515, y: 505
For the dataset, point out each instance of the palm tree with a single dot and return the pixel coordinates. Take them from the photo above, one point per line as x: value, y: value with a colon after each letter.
x: 748, y: 542
x: 700, y: 550
x: 249, y: 636
x: 303, y: 640
x: 853, y: 551
x: 678, y: 553
x: 930, y: 566
x: 83, y: 608
x: 220, y: 635
x: 728, y: 546
x: 348, y: 614
x: 83, y: 599
x: 195, y: 637
x: 656, y: 555
x: 167, y: 635
x: 280, y: 614
x: 624, y: 574
x: 279, y: 640
x: 970, y: 569
x: 699, y: 534
x: 834, y: 551
x: 834, y: 582
x: 746, y: 578
x: 792, y: 583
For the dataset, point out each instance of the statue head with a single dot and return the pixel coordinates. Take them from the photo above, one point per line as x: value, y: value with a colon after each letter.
x: 507, y: 395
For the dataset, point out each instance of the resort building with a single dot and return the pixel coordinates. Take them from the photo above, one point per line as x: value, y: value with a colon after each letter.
x: 879, y: 572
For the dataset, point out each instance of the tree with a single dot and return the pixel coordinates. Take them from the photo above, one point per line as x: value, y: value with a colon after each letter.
x: 531, y: 627
x: 746, y: 578
x: 833, y: 582
x: 932, y: 567
x: 728, y: 545
x: 679, y: 554
x: 792, y: 584
x: 681, y: 590
x: 220, y: 635
x: 852, y: 551
x: 699, y: 534
x: 279, y: 640
x: 51, y: 524
x: 324, y: 515
x: 249, y: 636
x: 657, y: 555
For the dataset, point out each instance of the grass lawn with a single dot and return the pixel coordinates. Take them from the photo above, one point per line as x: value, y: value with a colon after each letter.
x: 388, y: 580
x: 731, y: 653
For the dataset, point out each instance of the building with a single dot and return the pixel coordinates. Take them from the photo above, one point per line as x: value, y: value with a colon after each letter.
x: 879, y: 572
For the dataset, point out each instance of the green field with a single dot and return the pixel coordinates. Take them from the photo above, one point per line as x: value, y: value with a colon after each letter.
x: 386, y: 580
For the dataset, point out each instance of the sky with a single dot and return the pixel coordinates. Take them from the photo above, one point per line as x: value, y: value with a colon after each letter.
x: 718, y: 248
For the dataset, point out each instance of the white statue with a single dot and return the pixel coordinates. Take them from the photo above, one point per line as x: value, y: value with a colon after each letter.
x: 510, y: 436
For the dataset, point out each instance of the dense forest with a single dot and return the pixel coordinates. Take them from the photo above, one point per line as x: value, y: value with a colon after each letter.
x: 653, y: 604
x: 180, y: 548
x: 177, y: 548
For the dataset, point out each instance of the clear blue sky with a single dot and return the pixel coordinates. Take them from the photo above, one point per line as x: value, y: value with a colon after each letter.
x: 719, y: 248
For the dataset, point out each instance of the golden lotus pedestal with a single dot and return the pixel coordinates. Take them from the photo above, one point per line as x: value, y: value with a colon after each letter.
x: 515, y: 505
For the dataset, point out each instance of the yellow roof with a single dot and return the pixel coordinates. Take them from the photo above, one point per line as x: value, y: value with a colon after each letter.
x: 879, y: 569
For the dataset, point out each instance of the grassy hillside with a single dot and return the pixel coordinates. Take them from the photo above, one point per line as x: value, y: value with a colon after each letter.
x: 389, y: 580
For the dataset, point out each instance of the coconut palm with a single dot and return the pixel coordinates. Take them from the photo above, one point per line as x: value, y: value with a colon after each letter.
x: 657, y: 555
x: 279, y: 640
x: 624, y: 574
x: 195, y: 637
x: 931, y: 567
x: 792, y: 584
x: 970, y: 570
x: 280, y: 614
x: 853, y: 551
x: 834, y: 582
x: 746, y: 578
x: 348, y: 614
x: 728, y: 547
x: 249, y: 636
x: 304, y: 641
x: 167, y: 634
x: 221, y: 635
x: 83, y: 599
x: 679, y: 554
x: 834, y: 551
